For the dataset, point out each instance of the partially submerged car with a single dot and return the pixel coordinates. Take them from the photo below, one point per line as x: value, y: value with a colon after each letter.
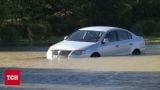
x: 98, y: 41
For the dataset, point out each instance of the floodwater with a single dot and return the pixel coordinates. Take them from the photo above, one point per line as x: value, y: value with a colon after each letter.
x: 115, y: 63
x: 107, y: 73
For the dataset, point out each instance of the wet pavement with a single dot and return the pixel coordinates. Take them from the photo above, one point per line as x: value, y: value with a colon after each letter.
x: 108, y: 73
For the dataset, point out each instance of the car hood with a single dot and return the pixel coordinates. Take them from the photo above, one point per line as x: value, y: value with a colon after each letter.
x: 71, y: 45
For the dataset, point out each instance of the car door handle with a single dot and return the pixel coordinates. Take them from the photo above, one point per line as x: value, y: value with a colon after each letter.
x: 117, y: 46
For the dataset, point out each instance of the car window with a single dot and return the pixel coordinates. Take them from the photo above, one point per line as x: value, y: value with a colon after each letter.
x: 112, y: 36
x: 85, y: 36
x: 123, y: 35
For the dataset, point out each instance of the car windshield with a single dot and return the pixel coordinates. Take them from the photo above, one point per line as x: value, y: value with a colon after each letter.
x: 85, y: 36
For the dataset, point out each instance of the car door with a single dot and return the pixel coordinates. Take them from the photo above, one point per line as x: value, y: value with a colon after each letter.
x: 112, y: 46
x: 125, y: 42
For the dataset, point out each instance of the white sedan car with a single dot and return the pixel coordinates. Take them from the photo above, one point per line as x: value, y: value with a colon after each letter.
x: 98, y: 41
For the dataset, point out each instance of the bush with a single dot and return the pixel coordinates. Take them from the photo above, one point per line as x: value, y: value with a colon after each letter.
x: 10, y: 33
x: 145, y: 27
x: 157, y: 29
x: 63, y: 25
x: 38, y: 32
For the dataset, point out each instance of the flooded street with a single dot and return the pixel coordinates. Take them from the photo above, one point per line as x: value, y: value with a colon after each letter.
x: 107, y: 73
x: 67, y: 79
x: 116, y: 63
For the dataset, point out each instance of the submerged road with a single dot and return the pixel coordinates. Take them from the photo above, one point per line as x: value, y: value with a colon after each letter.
x: 63, y: 79
x: 108, y: 73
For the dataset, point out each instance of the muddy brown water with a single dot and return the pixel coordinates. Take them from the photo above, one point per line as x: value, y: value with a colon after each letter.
x: 106, y: 73
x: 112, y: 63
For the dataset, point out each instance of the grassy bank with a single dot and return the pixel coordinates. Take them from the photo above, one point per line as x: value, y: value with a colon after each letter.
x: 53, y: 40
x: 152, y: 40
x: 48, y: 42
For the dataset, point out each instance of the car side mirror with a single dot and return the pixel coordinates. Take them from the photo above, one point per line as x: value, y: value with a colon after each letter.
x: 105, y: 40
x: 65, y: 37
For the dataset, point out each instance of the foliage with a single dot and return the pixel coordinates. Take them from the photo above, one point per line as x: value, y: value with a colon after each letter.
x: 10, y: 33
x: 37, y: 32
x: 146, y: 27
x: 49, y: 18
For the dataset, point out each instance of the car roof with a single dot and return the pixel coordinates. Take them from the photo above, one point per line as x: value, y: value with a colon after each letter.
x: 99, y: 28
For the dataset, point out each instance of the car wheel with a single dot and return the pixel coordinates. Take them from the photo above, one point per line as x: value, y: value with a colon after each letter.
x: 95, y: 55
x: 136, y: 52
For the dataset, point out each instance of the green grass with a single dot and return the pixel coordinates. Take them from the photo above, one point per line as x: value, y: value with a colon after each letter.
x: 48, y: 42
x: 152, y: 40
x: 55, y: 39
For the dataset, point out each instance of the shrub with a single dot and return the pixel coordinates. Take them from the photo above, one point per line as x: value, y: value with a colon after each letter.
x: 63, y: 25
x: 145, y: 27
x: 37, y: 32
x: 157, y: 29
x: 10, y: 33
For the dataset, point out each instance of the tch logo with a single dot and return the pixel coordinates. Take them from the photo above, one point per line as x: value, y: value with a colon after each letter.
x: 12, y: 77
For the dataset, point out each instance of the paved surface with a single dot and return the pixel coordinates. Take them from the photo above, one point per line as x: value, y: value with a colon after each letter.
x: 109, y: 73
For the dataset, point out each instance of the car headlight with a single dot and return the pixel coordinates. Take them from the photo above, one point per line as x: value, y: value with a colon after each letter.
x: 79, y: 52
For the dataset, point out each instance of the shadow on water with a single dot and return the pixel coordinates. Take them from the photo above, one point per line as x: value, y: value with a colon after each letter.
x: 94, y: 78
